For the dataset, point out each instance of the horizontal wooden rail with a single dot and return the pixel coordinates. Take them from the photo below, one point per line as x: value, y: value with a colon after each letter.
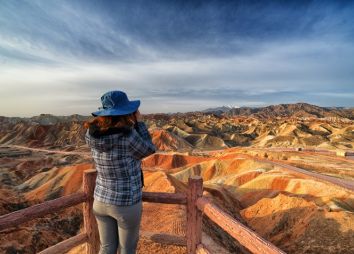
x: 165, y: 198
x: 248, y: 238
x: 66, y: 245
x: 18, y: 217
x: 40, y: 210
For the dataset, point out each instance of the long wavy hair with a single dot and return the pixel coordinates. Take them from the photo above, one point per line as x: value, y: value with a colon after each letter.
x: 104, y: 123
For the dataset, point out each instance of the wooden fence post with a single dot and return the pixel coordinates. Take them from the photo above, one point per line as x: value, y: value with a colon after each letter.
x: 194, y: 216
x: 90, y: 224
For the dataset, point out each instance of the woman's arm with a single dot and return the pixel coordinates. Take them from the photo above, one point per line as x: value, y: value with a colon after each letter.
x: 140, y: 142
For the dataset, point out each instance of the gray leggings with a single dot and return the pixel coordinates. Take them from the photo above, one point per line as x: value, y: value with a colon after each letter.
x: 118, y: 227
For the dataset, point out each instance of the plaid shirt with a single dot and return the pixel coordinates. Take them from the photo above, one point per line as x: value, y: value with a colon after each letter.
x: 118, y: 163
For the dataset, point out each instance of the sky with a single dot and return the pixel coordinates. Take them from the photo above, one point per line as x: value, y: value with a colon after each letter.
x: 59, y: 57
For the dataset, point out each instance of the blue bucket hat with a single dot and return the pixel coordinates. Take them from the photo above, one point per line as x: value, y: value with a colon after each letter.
x: 116, y: 103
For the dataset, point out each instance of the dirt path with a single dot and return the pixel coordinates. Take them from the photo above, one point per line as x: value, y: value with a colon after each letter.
x: 347, y: 184
x: 84, y: 154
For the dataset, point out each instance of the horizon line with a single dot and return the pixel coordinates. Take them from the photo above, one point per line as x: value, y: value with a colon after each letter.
x: 185, y: 112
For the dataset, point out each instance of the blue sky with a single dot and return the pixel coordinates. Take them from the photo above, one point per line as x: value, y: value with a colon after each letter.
x: 59, y: 57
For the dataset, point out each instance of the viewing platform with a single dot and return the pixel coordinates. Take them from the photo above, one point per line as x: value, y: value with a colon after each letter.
x: 197, y: 207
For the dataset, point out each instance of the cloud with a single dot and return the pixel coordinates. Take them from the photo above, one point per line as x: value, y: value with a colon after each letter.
x: 59, y: 57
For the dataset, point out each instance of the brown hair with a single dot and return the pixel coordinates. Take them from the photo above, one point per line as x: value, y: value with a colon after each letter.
x: 103, y: 123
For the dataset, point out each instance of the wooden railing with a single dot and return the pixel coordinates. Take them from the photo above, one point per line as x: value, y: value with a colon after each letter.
x: 197, y: 205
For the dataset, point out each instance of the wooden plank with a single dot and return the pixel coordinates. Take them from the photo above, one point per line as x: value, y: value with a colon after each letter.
x: 164, y: 238
x: 201, y: 249
x: 66, y: 245
x: 90, y: 224
x: 194, y: 216
x: 165, y: 198
x: 24, y: 215
x: 247, y: 237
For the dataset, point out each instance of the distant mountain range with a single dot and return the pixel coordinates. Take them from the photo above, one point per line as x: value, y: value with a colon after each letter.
x: 281, y: 110
x: 285, y: 110
x: 221, y: 109
x: 45, y: 119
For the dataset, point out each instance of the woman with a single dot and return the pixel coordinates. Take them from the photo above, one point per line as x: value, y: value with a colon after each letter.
x: 118, y: 140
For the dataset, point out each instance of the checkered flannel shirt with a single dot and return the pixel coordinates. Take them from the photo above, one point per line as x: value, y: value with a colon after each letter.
x: 118, y: 163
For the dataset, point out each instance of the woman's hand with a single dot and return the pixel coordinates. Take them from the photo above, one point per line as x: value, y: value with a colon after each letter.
x: 137, y: 116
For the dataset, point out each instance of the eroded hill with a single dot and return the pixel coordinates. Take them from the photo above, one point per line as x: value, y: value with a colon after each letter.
x: 298, y: 213
x: 285, y: 125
